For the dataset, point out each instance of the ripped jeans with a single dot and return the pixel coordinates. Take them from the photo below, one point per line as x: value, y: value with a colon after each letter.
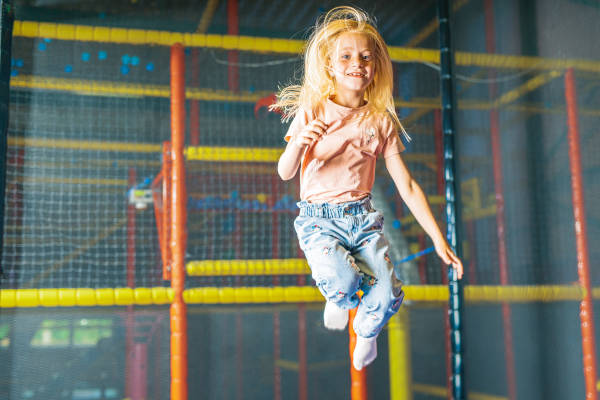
x: 347, y: 252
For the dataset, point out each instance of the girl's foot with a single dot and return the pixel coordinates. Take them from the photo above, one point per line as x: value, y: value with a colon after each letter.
x: 334, y: 317
x: 364, y: 352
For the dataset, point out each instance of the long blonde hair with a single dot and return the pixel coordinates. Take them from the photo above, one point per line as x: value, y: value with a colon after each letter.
x: 318, y: 84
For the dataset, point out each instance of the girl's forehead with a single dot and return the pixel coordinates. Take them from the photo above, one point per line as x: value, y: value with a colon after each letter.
x: 353, y: 40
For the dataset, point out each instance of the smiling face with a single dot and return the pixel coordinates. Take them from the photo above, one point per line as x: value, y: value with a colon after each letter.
x: 352, y: 67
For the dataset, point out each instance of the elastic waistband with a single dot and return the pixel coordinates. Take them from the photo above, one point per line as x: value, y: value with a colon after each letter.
x: 330, y: 210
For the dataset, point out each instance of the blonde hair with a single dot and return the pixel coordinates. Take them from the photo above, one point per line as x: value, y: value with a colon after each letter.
x: 318, y: 84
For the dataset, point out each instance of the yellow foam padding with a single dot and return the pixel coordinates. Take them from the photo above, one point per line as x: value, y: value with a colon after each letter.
x: 399, y: 356
x: 254, y: 154
x: 45, y: 30
x: 524, y: 294
x: 288, y: 266
x: 83, y: 297
x: 123, y: 89
x: 11, y: 298
x: 126, y: 147
x: 441, y: 392
x: 244, y: 295
x: 119, y: 89
x: 151, y: 37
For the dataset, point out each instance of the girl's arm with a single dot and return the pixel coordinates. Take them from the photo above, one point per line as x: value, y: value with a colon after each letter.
x: 415, y: 199
x: 290, y: 160
x: 292, y: 156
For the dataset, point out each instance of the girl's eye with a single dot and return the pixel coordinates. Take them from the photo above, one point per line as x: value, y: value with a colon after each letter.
x: 345, y: 56
x: 366, y: 57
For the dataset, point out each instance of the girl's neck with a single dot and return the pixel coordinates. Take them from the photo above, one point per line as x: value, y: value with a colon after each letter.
x: 350, y: 100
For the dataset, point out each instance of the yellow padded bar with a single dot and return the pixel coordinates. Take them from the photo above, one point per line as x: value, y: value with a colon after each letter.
x: 204, y: 153
x: 244, y: 295
x: 27, y: 298
x: 87, y: 33
x: 150, y: 37
x: 288, y: 266
x: 110, y: 88
x: 125, y: 147
x: 441, y: 392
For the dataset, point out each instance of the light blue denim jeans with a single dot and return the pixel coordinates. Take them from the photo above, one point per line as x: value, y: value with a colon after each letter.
x: 347, y: 252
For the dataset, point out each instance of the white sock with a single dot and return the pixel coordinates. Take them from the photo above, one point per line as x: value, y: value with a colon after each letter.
x: 334, y: 317
x: 364, y: 352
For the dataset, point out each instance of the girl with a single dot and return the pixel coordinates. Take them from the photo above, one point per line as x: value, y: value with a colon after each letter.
x: 344, y: 118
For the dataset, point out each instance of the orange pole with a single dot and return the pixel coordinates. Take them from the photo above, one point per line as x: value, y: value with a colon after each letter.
x: 586, y: 310
x: 178, y: 223
x: 358, y: 379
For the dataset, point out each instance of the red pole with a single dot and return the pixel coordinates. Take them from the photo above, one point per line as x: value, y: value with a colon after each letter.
x: 472, y: 254
x: 302, y: 364
x: 239, y: 361
x: 586, y: 309
x: 157, y: 364
x: 500, y: 218
x: 276, y: 354
x: 274, y: 217
x: 179, y: 389
x: 439, y: 154
x: 358, y: 379
x: 139, y: 373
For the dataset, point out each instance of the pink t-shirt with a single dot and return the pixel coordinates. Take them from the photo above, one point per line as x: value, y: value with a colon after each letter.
x: 341, y: 166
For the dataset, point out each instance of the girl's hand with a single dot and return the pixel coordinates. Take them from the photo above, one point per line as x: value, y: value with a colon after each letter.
x: 310, y: 134
x: 443, y: 250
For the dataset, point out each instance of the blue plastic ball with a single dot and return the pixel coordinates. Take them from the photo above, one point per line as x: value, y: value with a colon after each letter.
x: 41, y: 46
x: 150, y: 66
x: 135, y: 60
x: 19, y: 63
x: 102, y: 55
x: 68, y: 68
x: 125, y: 59
x: 14, y: 72
x: 124, y: 69
x: 85, y: 57
x: 396, y: 224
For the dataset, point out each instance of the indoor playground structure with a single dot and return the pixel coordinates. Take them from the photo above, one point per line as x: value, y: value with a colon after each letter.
x: 148, y: 248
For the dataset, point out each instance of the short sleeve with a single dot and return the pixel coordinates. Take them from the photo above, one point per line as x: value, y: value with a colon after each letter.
x: 298, y: 123
x: 393, y: 144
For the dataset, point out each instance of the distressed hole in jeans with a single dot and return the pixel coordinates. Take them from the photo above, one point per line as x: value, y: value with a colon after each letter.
x: 396, y: 286
x: 374, y: 316
x: 396, y: 304
x: 355, y: 267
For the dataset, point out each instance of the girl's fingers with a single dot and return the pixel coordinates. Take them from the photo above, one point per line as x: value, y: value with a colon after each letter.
x: 318, y: 122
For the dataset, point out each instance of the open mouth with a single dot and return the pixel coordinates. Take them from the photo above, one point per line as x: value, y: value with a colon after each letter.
x: 356, y: 74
